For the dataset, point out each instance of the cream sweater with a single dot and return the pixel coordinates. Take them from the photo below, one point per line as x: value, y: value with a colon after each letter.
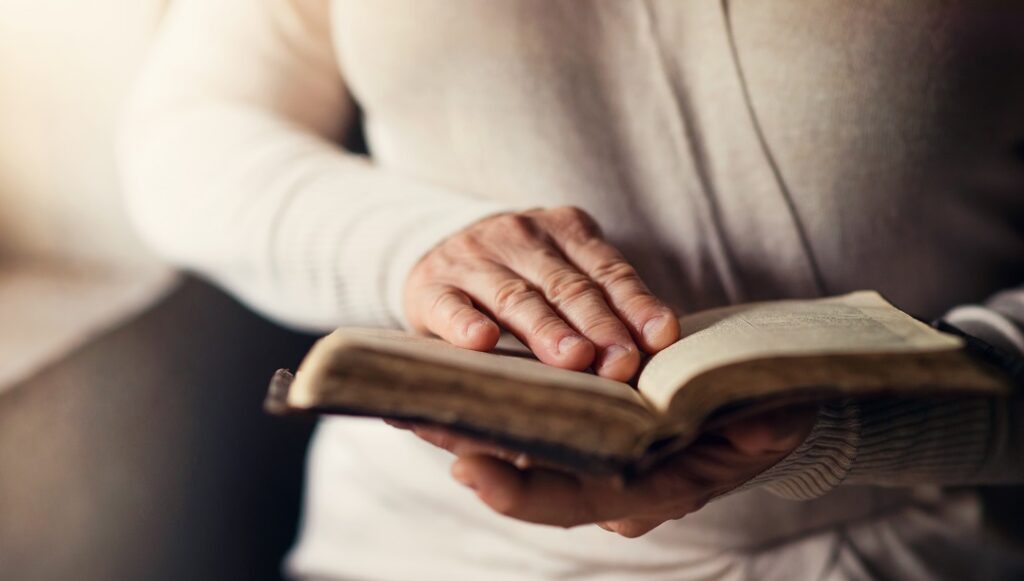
x: 734, y: 151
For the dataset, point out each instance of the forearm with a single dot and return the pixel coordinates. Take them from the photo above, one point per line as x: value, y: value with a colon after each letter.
x: 907, y: 442
x: 232, y: 169
x: 302, y: 231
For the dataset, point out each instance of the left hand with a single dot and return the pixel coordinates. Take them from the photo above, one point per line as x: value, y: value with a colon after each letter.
x: 717, y: 463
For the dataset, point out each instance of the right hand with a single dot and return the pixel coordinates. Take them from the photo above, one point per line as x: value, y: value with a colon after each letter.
x: 548, y: 277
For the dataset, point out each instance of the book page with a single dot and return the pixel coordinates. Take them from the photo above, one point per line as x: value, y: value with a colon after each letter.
x: 510, y: 398
x: 511, y: 360
x: 860, y: 322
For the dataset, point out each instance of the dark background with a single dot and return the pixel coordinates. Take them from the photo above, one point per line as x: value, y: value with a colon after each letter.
x: 146, y: 454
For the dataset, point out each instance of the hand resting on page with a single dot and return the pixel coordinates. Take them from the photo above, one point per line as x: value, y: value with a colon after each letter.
x: 549, y: 277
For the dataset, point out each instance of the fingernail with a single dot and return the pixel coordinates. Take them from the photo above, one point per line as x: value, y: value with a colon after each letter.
x: 653, y: 328
x: 612, y: 354
x: 462, y: 476
x: 569, y: 343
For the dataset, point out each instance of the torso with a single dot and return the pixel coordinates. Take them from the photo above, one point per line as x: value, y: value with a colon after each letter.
x: 767, y: 150
x: 706, y: 140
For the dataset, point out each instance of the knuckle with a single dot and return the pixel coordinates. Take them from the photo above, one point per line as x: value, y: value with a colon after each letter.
x: 576, y: 223
x: 511, y: 295
x: 515, y: 226
x: 642, y: 302
x: 613, y: 273
x: 429, y: 266
x: 544, y: 254
x: 545, y: 326
x: 605, y: 325
x: 441, y: 300
x: 568, y: 213
x: 435, y: 437
x: 507, y: 504
x: 571, y: 214
x: 630, y: 530
x: 687, y: 504
x: 467, y: 244
x: 566, y: 287
x: 447, y: 442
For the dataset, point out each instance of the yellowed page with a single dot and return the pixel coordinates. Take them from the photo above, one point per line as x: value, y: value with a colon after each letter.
x: 510, y: 397
x: 859, y: 322
x: 518, y: 366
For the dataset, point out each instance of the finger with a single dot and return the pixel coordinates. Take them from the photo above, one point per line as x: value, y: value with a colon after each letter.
x: 580, y: 302
x: 449, y: 313
x: 651, y: 321
x: 631, y: 528
x: 398, y: 424
x: 462, y: 445
x: 715, y: 467
x: 672, y: 491
x: 541, y: 496
x: 525, y: 313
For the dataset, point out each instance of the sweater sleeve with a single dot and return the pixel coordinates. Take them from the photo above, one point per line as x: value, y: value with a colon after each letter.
x: 231, y: 166
x: 890, y: 441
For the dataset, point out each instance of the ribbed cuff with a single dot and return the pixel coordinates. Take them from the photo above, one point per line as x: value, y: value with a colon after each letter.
x: 886, y: 442
x: 903, y: 442
x: 822, y: 462
x: 890, y: 441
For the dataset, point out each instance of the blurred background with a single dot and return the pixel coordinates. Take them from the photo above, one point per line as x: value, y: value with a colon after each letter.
x: 132, y: 443
x: 132, y: 440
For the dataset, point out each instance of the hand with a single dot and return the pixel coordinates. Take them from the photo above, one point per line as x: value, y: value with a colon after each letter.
x: 717, y: 463
x: 548, y: 277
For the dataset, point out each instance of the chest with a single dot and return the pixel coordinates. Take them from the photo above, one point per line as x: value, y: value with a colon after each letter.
x: 483, y: 60
x: 745, y: 139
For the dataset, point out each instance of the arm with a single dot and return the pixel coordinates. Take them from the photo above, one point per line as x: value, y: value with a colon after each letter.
x: 232, y: 169
x: 899, y: 442
x: 796, y: 453
x: 231, y: 166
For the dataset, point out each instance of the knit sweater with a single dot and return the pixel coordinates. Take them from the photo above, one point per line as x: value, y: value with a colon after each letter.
x: 733, y: 151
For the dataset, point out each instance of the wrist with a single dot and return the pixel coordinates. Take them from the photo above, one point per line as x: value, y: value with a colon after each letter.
x: 426, y: 237
x: 885, y: 441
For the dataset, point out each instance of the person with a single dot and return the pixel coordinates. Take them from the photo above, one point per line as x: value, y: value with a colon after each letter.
x: 576, y: 173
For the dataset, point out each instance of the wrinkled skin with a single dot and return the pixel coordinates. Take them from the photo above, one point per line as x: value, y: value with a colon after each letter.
x: 549, y: 277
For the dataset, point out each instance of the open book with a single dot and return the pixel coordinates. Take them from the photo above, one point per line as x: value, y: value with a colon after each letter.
x: 729, y: 361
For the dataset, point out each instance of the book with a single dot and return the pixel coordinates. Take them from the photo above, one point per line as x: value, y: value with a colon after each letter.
x: 730, y: 362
